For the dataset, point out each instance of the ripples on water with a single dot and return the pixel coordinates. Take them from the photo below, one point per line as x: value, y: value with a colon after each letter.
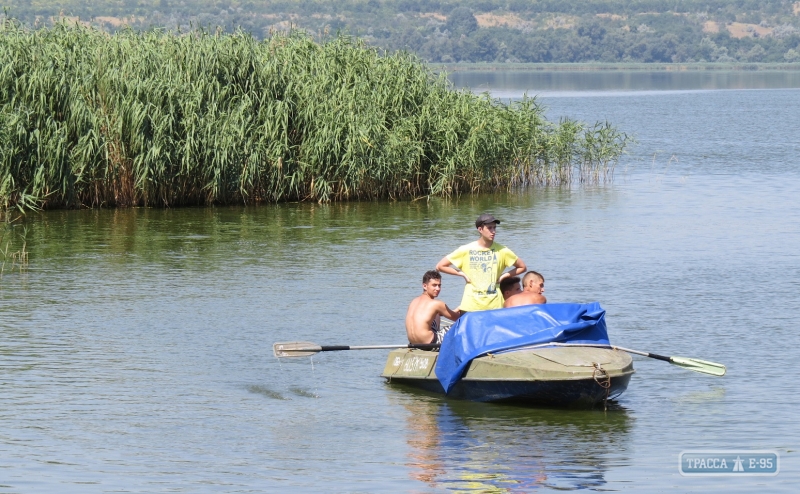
x: 135, y: 349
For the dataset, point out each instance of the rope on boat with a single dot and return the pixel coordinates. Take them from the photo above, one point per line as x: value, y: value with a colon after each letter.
x: 603, y: 380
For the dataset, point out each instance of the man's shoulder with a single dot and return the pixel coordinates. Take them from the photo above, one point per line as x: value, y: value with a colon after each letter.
x: 433, y: 302
x: 502, y: 249
x: 531, y: 298
x: 466, y: 248
x: 524, y: 298
x: 424, y: 300
x: 428, y: 308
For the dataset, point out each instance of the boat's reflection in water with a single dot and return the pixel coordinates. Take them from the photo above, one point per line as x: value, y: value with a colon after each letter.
x: 465, y: 446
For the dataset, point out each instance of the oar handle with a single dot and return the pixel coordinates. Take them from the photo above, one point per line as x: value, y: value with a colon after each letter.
x: 659, y: 357
x: 643, y: 354
x: 429, y: 346
x: 335, y: 348
x: 307, y: 349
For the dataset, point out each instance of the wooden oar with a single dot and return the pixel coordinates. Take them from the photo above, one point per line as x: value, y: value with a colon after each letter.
x: 693, y: 364
x: 306, y: 349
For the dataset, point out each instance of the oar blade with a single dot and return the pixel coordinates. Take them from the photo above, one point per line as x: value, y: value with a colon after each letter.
x: 698, y: 365
x: 295, y: 349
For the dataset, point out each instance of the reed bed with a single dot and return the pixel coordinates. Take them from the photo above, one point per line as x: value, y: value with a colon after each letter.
x: 89, y: 119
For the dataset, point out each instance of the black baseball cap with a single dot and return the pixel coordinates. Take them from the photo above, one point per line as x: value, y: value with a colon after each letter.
x: 486, y: 219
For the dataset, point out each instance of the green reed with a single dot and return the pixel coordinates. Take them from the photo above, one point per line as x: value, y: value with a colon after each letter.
x: 11, y: 236
x: 156, y: 119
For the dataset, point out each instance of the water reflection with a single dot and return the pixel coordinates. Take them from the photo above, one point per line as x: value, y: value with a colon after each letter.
x: 202, y: 239
x: 513, y: 83
x: 482, y: 447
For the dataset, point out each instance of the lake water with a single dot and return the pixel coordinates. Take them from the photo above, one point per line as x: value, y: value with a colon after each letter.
x: 136, y: 347
x: 613, y: 82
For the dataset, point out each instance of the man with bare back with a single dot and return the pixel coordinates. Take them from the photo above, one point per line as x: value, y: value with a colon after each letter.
x: 423, y: 319
x: 532, y: 291
x: 510, y: 287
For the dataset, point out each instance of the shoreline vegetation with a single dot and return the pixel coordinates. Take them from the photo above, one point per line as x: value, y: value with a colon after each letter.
x: 466, y: 31
x: 92, y: 119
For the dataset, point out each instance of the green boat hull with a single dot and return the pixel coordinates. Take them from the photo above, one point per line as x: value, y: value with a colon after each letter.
x: 561, y: 376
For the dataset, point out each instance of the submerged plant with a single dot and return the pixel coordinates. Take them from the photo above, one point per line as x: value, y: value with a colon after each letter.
x: 16, y: 257
x: 157, y: 119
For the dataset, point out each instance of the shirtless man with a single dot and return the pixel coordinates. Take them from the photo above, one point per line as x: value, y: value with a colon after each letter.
x: 510, y: 287
x: 424, y: 312
x: 533, y: 287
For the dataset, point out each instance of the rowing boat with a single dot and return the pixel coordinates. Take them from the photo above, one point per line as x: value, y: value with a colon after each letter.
x: 548, y: 354
x: 564, y: 376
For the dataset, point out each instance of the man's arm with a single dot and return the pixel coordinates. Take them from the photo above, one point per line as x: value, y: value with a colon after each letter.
x: 445, y: 311
x: 519, y: 268
x: 445, y: 266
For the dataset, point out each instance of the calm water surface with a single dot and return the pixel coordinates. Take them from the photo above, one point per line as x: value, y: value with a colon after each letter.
x: 135, y: 349
x: 566, y: 83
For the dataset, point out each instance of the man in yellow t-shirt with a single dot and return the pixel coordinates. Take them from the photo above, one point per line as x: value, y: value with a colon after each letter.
x: 481, y: 264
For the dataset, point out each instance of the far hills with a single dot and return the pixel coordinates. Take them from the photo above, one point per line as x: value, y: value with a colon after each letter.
x: 493, y: 31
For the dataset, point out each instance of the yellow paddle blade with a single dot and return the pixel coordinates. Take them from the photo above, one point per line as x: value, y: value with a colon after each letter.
x: 698, y: 365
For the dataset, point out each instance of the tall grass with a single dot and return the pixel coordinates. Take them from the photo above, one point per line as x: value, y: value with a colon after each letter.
x: 90, y: 119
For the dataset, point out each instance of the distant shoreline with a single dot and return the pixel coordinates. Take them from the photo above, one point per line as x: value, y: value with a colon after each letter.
x: 579, y: 67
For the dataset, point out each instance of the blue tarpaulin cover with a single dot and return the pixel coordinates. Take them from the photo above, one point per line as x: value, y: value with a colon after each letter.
x: 492, y: 331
